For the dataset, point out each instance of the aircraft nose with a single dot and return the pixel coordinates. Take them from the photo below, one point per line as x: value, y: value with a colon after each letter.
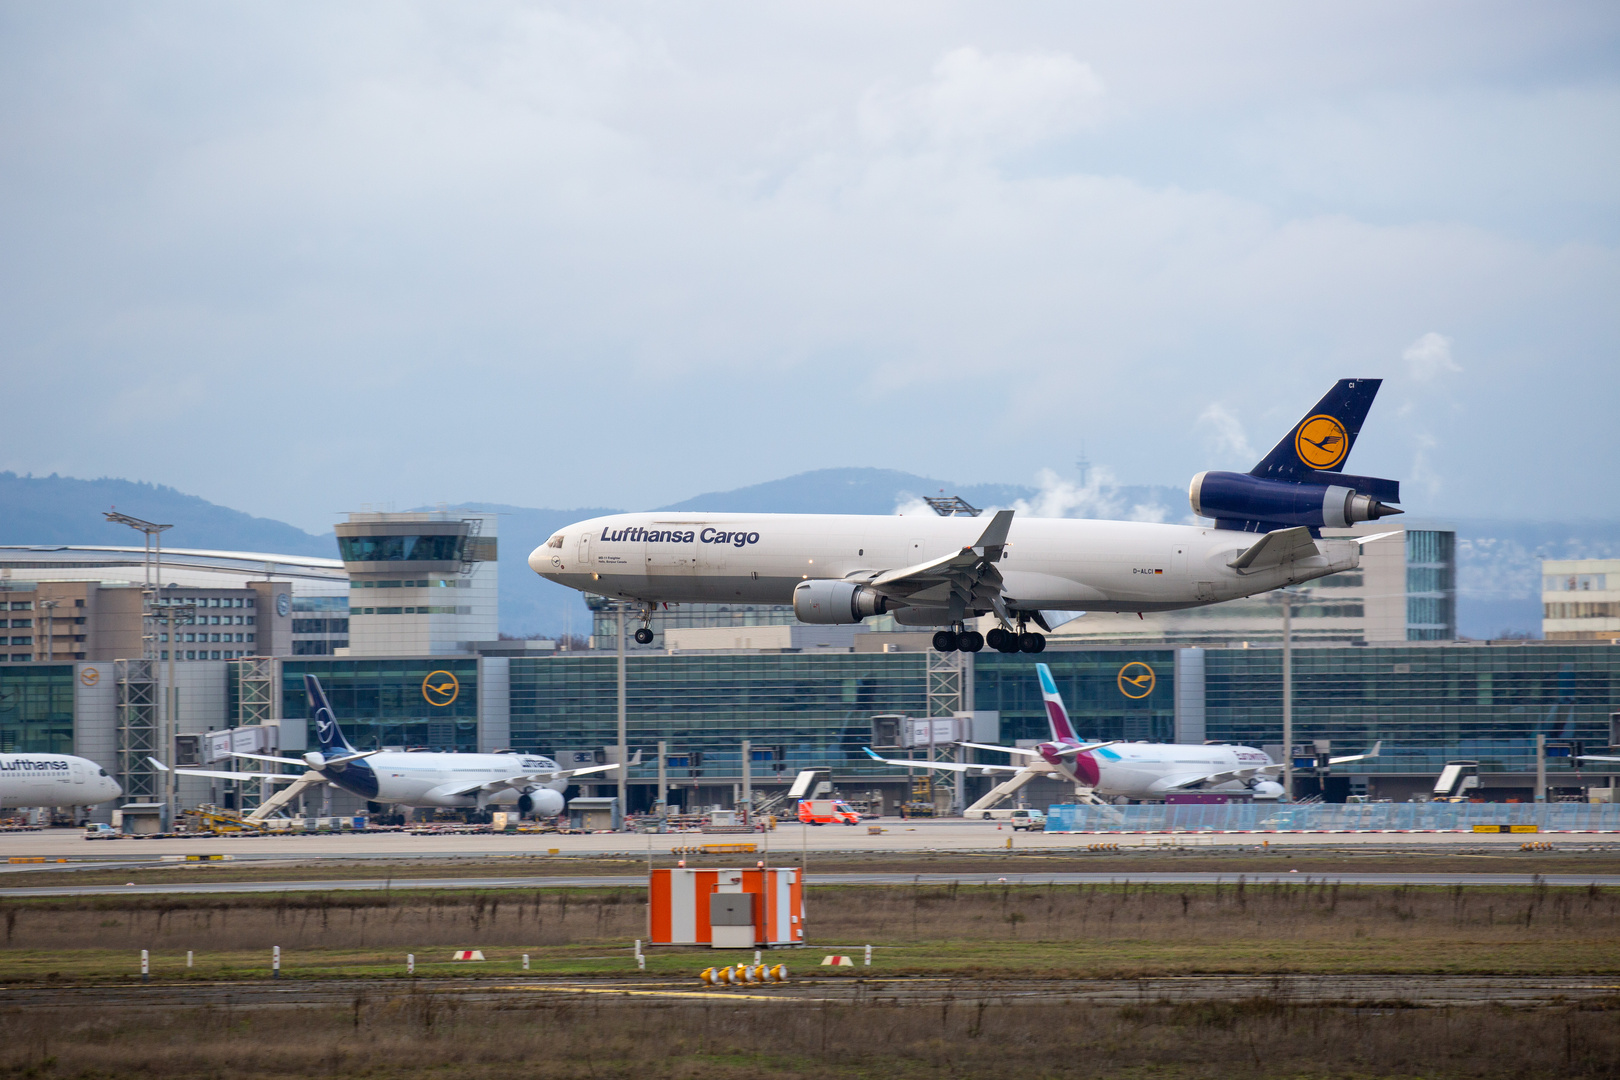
x: 540, y: 559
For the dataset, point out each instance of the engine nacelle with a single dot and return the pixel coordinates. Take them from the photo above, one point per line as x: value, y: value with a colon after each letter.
x: 826, y: 601
x: 1237, y: 499
x: 541, y: 802
x: 1266, y: 789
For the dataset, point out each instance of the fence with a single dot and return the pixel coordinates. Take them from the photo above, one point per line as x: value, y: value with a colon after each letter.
x: 1332, y: 817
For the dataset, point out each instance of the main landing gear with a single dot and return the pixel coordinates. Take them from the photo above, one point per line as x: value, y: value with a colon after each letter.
x: 1001, y: 640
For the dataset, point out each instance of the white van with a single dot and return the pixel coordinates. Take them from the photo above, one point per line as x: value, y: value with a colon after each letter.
x: 1031, y: 820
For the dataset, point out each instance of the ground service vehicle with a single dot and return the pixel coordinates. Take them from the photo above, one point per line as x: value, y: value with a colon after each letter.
x: 1029, y: 820
x: 827, y: 812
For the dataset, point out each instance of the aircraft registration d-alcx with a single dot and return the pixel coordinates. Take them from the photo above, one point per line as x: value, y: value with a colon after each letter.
x: 1122, y: 770
x: 942, y: 571
x: 530, y: 782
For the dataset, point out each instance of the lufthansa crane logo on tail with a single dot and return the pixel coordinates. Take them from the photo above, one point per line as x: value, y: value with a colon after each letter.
x: 440, y: 688
x: 1321, y: 442
x: 1136, y: 680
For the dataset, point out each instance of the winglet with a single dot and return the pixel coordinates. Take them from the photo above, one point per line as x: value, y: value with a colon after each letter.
x: 873, y: 754
x: 994, y: 537
x: 156, y: 764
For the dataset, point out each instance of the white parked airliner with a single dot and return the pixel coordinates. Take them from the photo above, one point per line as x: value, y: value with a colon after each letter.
x: 530, y: 782
x: 941, y: 571
x: 54, y: 780
x: 1124, y: 770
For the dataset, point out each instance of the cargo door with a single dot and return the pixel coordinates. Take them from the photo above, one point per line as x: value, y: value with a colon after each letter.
x: 78, y: 772
x: 669, y: 557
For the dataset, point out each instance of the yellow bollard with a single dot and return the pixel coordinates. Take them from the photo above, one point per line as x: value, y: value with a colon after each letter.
x: 707, y: 976
x: 779, y: 973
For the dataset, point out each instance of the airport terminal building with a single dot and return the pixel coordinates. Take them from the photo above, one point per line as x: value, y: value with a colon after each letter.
x: 427, y: 675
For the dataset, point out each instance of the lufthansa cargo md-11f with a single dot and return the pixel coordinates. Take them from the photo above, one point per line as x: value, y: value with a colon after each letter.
x: 942, y: 571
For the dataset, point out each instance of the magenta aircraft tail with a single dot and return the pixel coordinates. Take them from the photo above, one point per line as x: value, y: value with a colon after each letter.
x: 1056, y: 714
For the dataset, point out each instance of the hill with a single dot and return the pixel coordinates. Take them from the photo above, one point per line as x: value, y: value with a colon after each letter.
x: 61, y: 510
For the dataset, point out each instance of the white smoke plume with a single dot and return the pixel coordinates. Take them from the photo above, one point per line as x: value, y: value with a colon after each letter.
x: 1225, y: 434
x: 1429, y: 357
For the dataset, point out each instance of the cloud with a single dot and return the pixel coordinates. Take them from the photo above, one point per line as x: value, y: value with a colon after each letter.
x: 1225, y: 435
x: 995, y: 100
x: 1429, y: 357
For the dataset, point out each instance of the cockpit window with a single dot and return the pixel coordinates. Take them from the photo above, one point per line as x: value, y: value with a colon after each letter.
x: 555, y: 541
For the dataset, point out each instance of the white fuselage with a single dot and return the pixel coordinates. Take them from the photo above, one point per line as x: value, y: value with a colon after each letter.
x: 425, y: 779
x: 1153, y: 770
x: 53, y: 780
x: 1049, y: 563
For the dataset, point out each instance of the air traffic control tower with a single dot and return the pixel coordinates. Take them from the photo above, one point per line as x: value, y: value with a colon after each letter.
x: 420, y: 583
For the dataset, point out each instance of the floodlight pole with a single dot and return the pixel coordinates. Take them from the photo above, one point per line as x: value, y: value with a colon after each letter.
x: 1288, y: 695
x: 624, y: 755
x: 153, y: 596
x: 50, y: 628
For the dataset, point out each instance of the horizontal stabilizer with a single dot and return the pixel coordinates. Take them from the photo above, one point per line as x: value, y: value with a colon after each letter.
x: 1276, y: 548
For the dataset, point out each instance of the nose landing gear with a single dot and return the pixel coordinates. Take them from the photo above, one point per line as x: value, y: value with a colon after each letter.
x: 643, y: 636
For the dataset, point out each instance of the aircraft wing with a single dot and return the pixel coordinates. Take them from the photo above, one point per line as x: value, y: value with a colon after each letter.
x: 279, y: 777
x: 968, y: 575
x: 1226, y: 777
x: 521, y: 780
x: 951, y: 766
x: 267, y: 757
x: 1276, y: 548
x: 1357, y: 757
x: 1596, y: 757
x: 1025, y: 751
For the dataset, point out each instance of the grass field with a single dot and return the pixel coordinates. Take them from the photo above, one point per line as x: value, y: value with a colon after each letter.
x: 400, y: 1034
x: 987, y: 930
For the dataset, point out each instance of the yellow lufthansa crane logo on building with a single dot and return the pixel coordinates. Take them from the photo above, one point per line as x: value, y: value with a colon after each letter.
x: 1136, y: 680
x: 1321, y: 442
x: 440, y: 688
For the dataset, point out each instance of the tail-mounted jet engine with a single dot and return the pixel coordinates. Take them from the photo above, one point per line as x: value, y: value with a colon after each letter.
x: 1254, y: 504
x: 541, y: 802
x: 836, y: 602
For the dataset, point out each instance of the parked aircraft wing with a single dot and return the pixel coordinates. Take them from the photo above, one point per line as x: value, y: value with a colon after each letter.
x: 1225, y: 777
x: 1002, y: 749
x: 1276, y: 548
x: 521, y: 780
x: 270, y: 757
x: 1071, y: 751
x: 952, y: 766
x: 1358, y: 757
x: 1595, y: 757
x: 281, y: 777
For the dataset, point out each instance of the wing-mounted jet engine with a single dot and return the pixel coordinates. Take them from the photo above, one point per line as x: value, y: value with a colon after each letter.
x: 1300, y: 482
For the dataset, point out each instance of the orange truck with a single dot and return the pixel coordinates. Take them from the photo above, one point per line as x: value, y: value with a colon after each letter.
x: 827, y: 812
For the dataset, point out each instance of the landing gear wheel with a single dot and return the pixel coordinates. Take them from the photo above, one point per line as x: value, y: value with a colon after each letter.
x: 644, y: 636
x: 945, y: 641
x: 1031, y: 643
x: 970, y: 641
x: 995, y: 638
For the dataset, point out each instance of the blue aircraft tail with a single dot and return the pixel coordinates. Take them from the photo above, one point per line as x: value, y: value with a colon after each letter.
x: 326, y: 726
x: 1302, y: 481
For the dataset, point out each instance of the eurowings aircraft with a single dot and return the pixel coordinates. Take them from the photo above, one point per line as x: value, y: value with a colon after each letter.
x: 1121, y: 770
x: 54, y: 780
x: 942, y: 571
x: 530, y: 782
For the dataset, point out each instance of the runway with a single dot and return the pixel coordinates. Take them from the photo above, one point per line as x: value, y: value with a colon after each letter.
x: 953, y: 835
x: 815, y: 879
x: 862, y: 988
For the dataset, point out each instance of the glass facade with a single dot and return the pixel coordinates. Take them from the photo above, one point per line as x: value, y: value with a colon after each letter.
x: 400, y: 548
x: 605, y: 620
x: 1110, y: 693
x: 1431, y: 585
x: 817, y: 710
x: 1429, y: 704
x: 36, y: 709
x: 429, y: 703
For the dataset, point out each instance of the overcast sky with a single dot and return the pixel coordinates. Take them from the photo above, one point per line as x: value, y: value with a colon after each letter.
x: 297, y: 257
